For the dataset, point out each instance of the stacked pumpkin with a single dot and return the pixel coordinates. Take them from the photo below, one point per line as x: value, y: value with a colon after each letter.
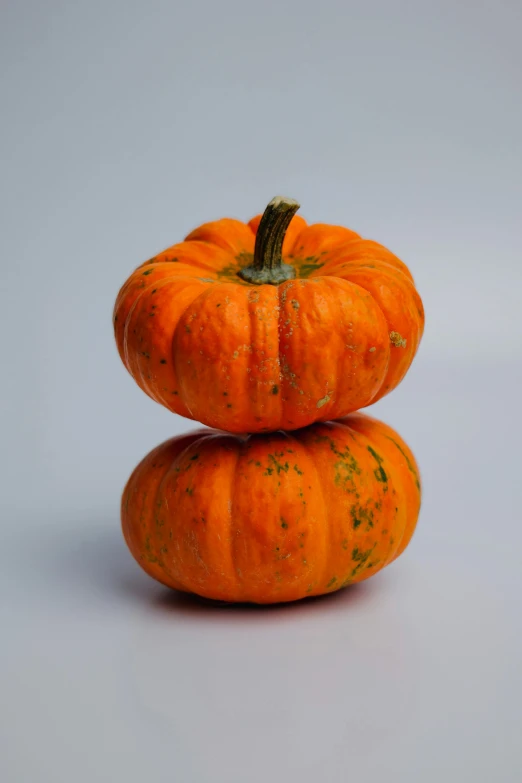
x: 274, y: 333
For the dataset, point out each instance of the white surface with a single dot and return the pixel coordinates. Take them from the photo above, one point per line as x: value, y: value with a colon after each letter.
x: 124, y: 125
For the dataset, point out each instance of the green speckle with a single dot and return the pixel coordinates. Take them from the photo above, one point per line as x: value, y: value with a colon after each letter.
x: 284, y: 524
x: 229, y: 405
x: 275, y: 465
x: 196, y: 456
x: 163, y: 361
x: 154, y: 290
x: 225, y: 394
x: 189, y: 491
x: 275, y: 389
x: 151, y: 557
x: 188, y: 329
x: 218, y: 304
x: 332, y: 581
x: 145, y: 354
x: 148, y: 272
x: 360, y: 515
x: 344, y: 543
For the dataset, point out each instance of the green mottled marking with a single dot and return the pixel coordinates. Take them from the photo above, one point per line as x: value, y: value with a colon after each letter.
x: 230, y: 272
x: 408, y: 461
x: 299, y: 472
x: 360, y: 557
x: 306, y: 266
x: 360, y: 515
x: 275, y: 389
x: 332, y: 581
x: 379, y: 472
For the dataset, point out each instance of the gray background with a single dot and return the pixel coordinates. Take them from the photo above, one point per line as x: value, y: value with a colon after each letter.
x: 124, y: 125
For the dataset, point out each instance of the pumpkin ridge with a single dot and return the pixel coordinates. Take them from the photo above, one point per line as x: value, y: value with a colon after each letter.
x: 155, y: 394
x: 326, y: 521
x: 174, y: 354
x: 231, y: 537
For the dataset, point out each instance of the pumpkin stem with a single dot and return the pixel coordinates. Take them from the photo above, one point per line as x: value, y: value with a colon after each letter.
x: 268, y: 267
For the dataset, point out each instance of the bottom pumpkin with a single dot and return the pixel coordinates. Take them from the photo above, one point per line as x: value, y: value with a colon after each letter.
x: 272, y: 518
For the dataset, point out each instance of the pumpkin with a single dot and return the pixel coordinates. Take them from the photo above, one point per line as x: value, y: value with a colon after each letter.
x: 273, y: 517
x: 274, y: 324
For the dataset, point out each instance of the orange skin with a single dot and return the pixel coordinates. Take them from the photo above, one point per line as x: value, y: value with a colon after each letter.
x: 272, y: 518
x: 258, y: 358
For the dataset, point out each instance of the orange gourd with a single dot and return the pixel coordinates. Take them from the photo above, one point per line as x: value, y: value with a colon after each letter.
x: 269, y: 325
x: 276, y: 517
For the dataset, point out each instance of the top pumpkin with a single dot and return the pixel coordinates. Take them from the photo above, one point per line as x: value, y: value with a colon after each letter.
x: 269, y: 325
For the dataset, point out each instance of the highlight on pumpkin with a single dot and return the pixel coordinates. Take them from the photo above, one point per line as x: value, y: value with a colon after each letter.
x: 271, y: 324
x: 275, y: 517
